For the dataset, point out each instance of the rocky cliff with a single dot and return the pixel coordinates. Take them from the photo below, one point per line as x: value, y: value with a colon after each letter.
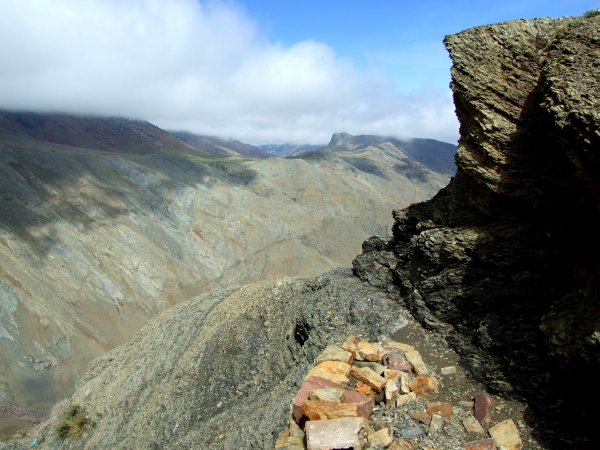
x: 504, y: 262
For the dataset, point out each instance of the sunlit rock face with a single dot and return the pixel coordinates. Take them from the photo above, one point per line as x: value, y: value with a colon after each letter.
x: 505, y: 260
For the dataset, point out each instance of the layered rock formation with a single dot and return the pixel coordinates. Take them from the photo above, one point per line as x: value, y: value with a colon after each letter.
x: 504, y: 261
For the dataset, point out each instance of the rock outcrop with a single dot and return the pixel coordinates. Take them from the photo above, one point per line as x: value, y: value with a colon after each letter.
x: 505, y: 260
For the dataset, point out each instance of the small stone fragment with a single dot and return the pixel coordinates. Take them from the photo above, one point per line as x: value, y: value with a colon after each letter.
x: 401, y: 444
x: 390, y: 374
x: 375, y: 367
x: 282, y: 439
x: 334, y: 434
x: 468, y: 405
x: 407, y: 398
x: 395, y: 362
x: 381, y: 438
x: 334, y: 353
x: 424, y: 383
x: 404, y: 382
x: 436, y: 425
x: 391, y: 390
x: 486, y: 444
x: 367, y: 376
x: 362, y: 388
x: 443, y: 409
x: 324, y: 410
x: 451, y: 370
x: 472, y: 425
x: 334, y: 371
x: 361, y: 349
x: 414, y: 357
x: 422, y: 417
x: 483, y: 404
x: 399, y: 346
x: 506, y: 435
x: 327, y: 394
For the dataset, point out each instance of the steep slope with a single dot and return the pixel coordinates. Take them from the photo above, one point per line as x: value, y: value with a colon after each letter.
x: 284, y: 150
x: 221, y: 146
x: 504, y: 261
x: 94, y: 244
x: 91, y: 132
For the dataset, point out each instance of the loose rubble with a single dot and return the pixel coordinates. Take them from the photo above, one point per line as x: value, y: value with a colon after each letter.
x: 366, y: 395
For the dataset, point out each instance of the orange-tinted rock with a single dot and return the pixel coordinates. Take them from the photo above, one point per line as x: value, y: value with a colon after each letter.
x: 324, y: 410
x: 381, y: 438
x: 363, y: 402
x: 422, y: 417
x: 423, y: 384
x: 444, y: 409
x: 282, y: 439
x: 486, y: 444
x: 401, y: 444
x: 369, y: 377
x: 361, y: 349
x: 391, y: 374
x: 506, y: 435
x: 362, y: 388
x: 483, y: 404
x: 334, y: 371
x: 407, y: 398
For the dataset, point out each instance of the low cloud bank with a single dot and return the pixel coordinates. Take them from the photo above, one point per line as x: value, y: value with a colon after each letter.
x: 204, y: 68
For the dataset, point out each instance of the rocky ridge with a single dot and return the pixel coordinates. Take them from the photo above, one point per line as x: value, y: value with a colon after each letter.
x: 504, y: 261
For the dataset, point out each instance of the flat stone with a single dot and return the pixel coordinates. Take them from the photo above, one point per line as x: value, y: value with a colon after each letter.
x: 468, y: 405
x: 398, y: 346
x: 375, y: 367
x: 423, y: 384
x: 334, y: 371
x: 506, y: 435
x: 483, y: 404
x: 367, y: 376
x: 422, y: 417
x: 391, y: 390
x: 334, y: 353
x: 436, y: 425
x: 443, y: 409
x: 407, y: 398
x: 396, y: 362
x: 328, y: 394
x: 362, y: 388
x: 451, y: 370
x: 404, y: 382
x: 486, y: 444
x: 324, y: 410
x: 361, y: 349
x: 414, y: 357
x: 401, y: 444
x: 381, y: 438
x: 472, y: 425
x: 363, y: 402
x: 334, y: 434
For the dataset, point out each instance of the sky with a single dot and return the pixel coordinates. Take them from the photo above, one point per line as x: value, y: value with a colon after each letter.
x: 279, y: 71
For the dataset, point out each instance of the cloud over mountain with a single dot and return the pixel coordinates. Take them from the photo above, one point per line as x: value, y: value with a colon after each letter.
x: 202, y: 67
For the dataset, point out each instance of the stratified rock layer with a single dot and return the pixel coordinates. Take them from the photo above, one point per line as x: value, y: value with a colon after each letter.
x: 504, y: 261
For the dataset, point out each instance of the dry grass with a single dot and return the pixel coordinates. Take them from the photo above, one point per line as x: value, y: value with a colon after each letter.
x: 70, y: 420
x: 591, y: 13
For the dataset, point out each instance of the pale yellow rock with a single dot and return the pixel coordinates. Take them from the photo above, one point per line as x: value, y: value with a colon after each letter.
x: 391, y: 374
x: 370, y: 378
x: 404, y: 383
x: 391, y: 390
x: 327, y: 394
x: 334, y: 371
x: 398, y: 346
x: 361, y: 349
x: 406, y: 398
x: 334, y: 353
x: 472, y: 425
x: 381, y: 438
x: 506, y: 435
x: 414, y: 357
x: 381, y: 351
x: 451, y: 370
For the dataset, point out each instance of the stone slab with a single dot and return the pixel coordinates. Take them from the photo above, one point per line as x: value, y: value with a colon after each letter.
x: 328, y: 394
x: 472, y: 425
x: 334, y: 371
x: 334, y: 353
x: 506, y: 435
x: 370, y: 378
x: 486, y: 444
x: 334, y: 434
x: 325, y: 410
x: 444, y: 409
x: 414, y: 357
x: 361, y: 349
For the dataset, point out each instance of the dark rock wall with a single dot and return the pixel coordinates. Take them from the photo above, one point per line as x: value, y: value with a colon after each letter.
x: 504, y: 261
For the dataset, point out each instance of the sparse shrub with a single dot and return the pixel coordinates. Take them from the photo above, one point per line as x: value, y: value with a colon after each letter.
x: 70, y: 420
x: 591, y: 13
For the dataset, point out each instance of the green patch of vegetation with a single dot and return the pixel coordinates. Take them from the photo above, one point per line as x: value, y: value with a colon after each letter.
x: 217, y: 159
x: 591, y: 13
x: 72, y: 423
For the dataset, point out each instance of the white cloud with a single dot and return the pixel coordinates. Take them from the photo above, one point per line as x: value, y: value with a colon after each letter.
x: 205, y: 68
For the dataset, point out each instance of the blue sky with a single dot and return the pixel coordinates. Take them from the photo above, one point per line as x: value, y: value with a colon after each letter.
x: 259, y: 71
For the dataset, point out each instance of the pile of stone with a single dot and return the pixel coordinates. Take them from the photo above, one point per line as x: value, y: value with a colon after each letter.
x: 336, y: 406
